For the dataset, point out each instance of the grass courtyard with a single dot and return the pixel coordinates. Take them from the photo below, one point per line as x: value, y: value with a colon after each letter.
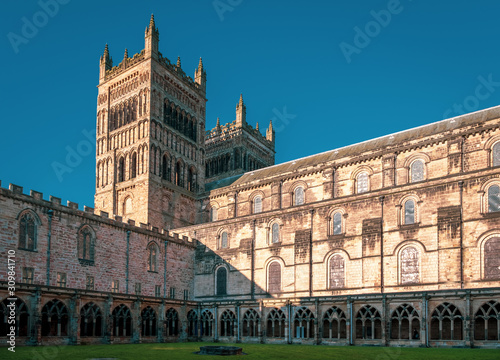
x: 185, y: 351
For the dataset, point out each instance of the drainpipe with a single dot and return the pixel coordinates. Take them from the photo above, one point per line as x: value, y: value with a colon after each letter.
x: 289, y: 306
x: 461, y: 186
x: 126, y: 266
x: 165, y: 272
x: 351, y: 319
x: 426, y: 304
x: 382, y: 243
x: 310, y: 255
x: 50, y: 213
x: 252, y: 275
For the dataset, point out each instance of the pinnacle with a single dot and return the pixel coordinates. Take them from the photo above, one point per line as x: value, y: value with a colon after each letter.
x: 241, y: 99
x: 200, y: 64
x: 152, y: 22
x: 178, y: 61
x: 125, y: 55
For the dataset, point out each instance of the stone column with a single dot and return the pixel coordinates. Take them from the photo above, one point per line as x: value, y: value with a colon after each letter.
x: 136, y: 322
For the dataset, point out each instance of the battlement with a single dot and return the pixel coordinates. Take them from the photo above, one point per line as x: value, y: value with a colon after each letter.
x: 231, y: 130
x: 126, y: 63
x: 55, y: 204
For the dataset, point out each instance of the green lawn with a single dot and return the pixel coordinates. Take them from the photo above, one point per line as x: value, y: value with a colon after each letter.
x: 184, y: 351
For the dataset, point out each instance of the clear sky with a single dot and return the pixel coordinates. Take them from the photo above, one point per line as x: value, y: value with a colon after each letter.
x: 329, y: 73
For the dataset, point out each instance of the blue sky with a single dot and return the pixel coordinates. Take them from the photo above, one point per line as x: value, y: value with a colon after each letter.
x: 330, y: 73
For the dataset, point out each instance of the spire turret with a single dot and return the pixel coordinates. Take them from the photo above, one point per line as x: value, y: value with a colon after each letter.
x: 179, y: 62
x: 151, y: 39
x: 105, y: 63
x: 270, y: 134
x: 241, y: 113
x: 257, y: 126
x: 125, y: 55
x: 200, y: 76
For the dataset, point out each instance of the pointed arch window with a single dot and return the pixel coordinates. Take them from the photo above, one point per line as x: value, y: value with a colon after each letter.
x: 86, y: 244
x: 494, y: 198
x: 152, y: 256
x: 133, y: 166
x: 362, y: 183
x: 121, y: 170
x: 276, y: 321
x: 257, y: 204
x: 28, y: 231
x: 417, y: 171
x: 298, y: 196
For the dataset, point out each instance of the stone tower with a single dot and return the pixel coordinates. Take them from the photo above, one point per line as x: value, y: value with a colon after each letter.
x: 150, y: 137
x: 237, y: 147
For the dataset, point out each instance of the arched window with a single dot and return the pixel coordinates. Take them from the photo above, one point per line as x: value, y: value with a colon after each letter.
x: 257, y: 204
x: 91, y: 320
x: 121, y: 170
x: 417, y: 171
x: 495, y: 154
x: 304, y: 324
x: 127, y: 206
x: 179, y: 176
x: 368, y: 323
x: 28, y: 231
x: 405, y: 323
x: 409, y: 266
x: 213, y: 214
x: 86, y: 244
x: 409, y: 212
x: 207, y: 323
x: 122, y: 321
x: 21, y: 318
x: 224, y: 244
x: 298, y: 196
x: 446, y: 323
x: 337, y: 272
x: 54, y: 319
x: 275, y: 233
x: 172, y: 322
x: 221, y: 281
x: 492, y: 259
x: 334, y: 324
x: 133, y: 166
x: 227, y: 323
x: 494, y: 198
x: 337, y: 223
x: 487, y: 322
x: 251, y: 323
x: 148, y: 316
x: 362, y: 183
x: 192, y: 318
x: 152, y: 255
x: 166, y: 168
x: 274, y: 278
x: 276, y: 323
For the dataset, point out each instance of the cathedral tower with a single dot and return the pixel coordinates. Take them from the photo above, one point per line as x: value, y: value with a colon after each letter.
x: 150, y: 137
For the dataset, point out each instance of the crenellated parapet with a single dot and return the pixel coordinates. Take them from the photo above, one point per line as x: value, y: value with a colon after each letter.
x: 90, y: 214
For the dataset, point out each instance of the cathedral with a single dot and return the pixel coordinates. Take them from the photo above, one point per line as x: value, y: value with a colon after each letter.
x: 197, y: 235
